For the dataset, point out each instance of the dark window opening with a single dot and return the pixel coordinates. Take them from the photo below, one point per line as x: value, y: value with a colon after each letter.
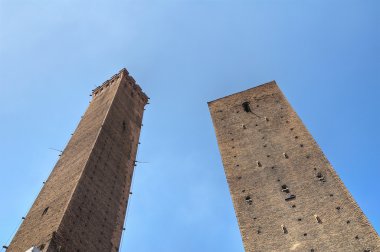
x: 45, y: 211
x: 290, y: 197
x: 321, y: 177
x: 124, y: 125
x: 246, y: 107
x: 284, y: 188
x: 248, y: 200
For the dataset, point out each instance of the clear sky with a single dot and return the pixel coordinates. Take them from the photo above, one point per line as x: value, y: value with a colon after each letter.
x: 324, y: 54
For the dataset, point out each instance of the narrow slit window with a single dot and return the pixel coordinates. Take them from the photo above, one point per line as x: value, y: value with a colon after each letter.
x: 290, y: 197
x: 318, y: 219
x: 124, y: 126
x: 246, y: 107
x: 284, y: 230
x: 45, y: 211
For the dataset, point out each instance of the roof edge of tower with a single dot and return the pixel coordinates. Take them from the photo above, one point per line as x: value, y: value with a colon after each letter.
x: 273, y: 82
x: 123, y: 73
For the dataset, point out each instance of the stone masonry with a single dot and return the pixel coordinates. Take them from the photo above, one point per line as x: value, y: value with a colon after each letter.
x: 286, y: 195
x: 82, y: 206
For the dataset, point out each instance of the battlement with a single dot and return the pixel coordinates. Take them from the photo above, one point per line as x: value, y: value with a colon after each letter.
x: 123, y: 73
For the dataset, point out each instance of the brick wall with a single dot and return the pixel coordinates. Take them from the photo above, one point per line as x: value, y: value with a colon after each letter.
x: 82, y: 204
x: 286, y: 195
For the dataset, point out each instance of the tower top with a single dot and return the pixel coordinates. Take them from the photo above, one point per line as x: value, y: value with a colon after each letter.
x: 266, y: 85
x: 123, y: 73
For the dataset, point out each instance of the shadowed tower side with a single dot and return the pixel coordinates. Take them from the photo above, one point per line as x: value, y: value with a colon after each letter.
x: 83, y: 203
x: 286, y: 195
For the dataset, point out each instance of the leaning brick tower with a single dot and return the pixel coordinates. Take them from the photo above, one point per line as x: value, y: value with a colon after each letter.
x: 83, y: 203
x: 286, y: 195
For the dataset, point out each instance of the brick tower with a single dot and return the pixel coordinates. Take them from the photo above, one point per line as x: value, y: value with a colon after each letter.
x: 83, y: 203
x: 286, y: 195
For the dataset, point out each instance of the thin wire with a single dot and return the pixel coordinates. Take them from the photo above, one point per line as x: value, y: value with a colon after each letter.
x: 55, y: 149
x: 129, y: 200
x: 28, y: 209
x: 17, y: 227
x: 11, y: 236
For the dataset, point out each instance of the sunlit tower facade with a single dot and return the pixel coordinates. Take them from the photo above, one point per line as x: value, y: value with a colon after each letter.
x: 82, y: 205
x: 286, y: 195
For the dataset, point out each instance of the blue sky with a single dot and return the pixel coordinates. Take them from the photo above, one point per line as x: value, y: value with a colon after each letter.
x: 323, y: 54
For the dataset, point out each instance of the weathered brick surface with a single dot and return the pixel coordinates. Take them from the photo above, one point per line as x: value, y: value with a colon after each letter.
x: 82, y: 204
x: 268, y: 148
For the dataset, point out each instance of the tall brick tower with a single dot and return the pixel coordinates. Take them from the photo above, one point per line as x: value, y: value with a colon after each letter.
x: 286, y: 195
x: 82, y: 206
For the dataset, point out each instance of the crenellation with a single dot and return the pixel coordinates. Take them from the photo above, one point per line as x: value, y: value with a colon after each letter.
x: 128, y: 81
